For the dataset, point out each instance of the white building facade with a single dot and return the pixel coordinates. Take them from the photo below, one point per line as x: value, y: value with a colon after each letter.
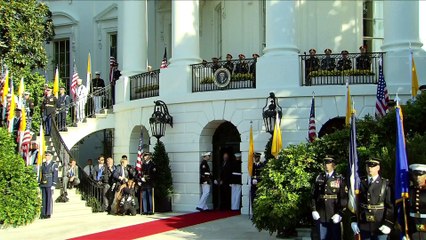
x: 137, y: 32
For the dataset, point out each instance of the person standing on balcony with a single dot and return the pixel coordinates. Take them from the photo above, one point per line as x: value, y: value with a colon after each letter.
x: 311, y: 64
x: 216, y: 64
x: 229, y: 64
x: 63, y: 105
x: 253, y: 65
x: 97, y: 85
x: 236, y: 182
x: 48, y: 179
x: 205, y: 181
x: 81, y: 99
x: 345, y: 63
x: 363, y: 62
x: 328, y: 63
x: 242, y: 66
x: 48, y: 108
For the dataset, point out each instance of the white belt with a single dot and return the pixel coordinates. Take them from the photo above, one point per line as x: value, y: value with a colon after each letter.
x: 237, y: 173
x: 206, y: 173
x: 418, y: 215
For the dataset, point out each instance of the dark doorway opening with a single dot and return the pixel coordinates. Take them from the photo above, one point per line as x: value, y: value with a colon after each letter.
x: 332, y: 125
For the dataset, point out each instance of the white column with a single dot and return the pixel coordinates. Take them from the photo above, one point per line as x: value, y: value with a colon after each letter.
x: 132, y: 32
x: 401, y: 30
x: 185, y: 32
x: 279, y: 66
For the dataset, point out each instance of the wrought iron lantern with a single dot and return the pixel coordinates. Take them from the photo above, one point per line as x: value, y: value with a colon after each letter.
x: 270, y: 112
x: 159, y: 119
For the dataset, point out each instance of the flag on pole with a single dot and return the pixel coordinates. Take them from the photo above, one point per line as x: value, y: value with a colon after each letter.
x: 414, y: 80
x: 41, y: 150
x: 5, y: 87
x: 348, y: 105
x: 139, y: 157
x: 25, y: 146
x: 56, y: 83
x: 89, y: 73
x: 164, y: 62
x: 11, y: 109
x: 112, y: 66
x: 312, y: 132
x: 276, y: 139
x: 250, y: 153
x: 75, y: 77
x: 22, y: 126
x: 382, y: 94
x: 21, y: 91
x: 354, y: 179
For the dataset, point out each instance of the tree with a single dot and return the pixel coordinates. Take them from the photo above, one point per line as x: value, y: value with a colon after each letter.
x: 19, y: 200
x: 163, y: 183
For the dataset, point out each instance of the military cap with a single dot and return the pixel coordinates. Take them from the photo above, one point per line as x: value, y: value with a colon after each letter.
x: 124, y: 157
x: 327, y: 50
x: 215, y: 59
x: 312, y: 50
x: 9, y: 95
x: 241, y: 55
x: 206, y: 154
x: 237, y: 155
x: 26, y: 93
x: 422, y: 88
x: 17, y: 109
x: 97, y: 73
x: 329, y: 159
x: 257, y: 154
x: 228, y: 55
x: 344, y: 52
x: 147, y: 154
x: 255, y: 55
x: 418, y: 169
x: 373, y: 161
x: 391, y: 103
x: 48, y: 152
x: 62, y: 88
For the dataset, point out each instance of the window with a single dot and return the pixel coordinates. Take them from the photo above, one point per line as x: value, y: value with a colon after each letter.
x: 61, y: 53
x: 218, y: 29
x: 113, y: 45
x: 373, y: 25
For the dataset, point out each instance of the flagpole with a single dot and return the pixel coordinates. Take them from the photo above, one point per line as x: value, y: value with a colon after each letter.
x: 405, y: 219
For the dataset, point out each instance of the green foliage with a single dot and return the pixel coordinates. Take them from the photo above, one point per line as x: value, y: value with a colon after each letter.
x: 94, y: 204
x: 242, y: 77
x: 148, y: 88
x: 285, y: 187
x: 349, y: 72
x: 20, y: 202
x: 207, y: 80
x: 163, y: 177
x: 267, y: 152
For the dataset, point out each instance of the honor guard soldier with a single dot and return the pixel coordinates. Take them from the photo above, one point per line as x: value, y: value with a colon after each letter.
x: 312, y: 63
x: 236, y: 182
x: 49, y: 109
x: 375, y: 208
x: 205, y: 181
x: 417, y: 216
x: 328, y: 63
x: 329, y: 201
x: 48, y: 179
x: 345, y: 63
x: 253, y: 65
x: 216, y: 64
x: 363, y: 62
x: 97, y: 85
x: 229, y: 64
x: 63, y: 105
x: 242, y: 65
x: 255, y: 179
x: 147, y: 183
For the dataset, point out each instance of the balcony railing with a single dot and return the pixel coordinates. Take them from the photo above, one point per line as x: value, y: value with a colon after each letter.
x: 333, y: 69
x: 223, y: 75
x: 145, y: 85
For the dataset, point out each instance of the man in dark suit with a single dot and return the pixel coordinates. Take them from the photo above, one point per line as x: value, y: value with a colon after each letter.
x: 121, y: 175
x: 225, y: 181
x: 376, y: 216
x: 147, y: 183
x: 329, y: 200
x: 48, y: 179
x: 108, y: 184
x: 255, y: 179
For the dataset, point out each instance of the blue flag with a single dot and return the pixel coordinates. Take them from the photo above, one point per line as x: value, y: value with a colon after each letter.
x: 354, y: 180
x: 401, y: 169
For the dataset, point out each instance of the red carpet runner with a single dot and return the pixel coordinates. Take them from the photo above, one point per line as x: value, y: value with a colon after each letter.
x: 158, y: 226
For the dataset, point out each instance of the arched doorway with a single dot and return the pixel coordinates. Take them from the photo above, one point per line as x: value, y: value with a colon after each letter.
x: 332, y: 125
x: 225, y: 138
x: 135, y: 136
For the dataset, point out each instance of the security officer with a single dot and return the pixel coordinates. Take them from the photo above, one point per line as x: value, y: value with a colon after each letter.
x: 229, y: 64
x: 242, y: 66
x: 328, y: 63
x: 375, y: 210
x: 97, y: 85
x: 329, y: 201
x: 205, y: 181
x: 255, y: 179
x: 216, y: 65
x: 417, y: 215
x: 311, y: 64
x: 147, y: 180
x: 63, y: 105
x: 236, y: 182
x: 48, y: 179
x: 48, y: 108
x: 345, y: 63
x: 363, y: 62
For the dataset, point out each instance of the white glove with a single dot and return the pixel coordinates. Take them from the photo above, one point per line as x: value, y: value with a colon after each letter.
x: 355, y: 228
x: 336, y: 218
x: 315, y: 215
x: 404, y: 238
x: 215, y: 182
x: 52, y: 187
x: 385, y: 229
x: 143, y: 179
x: 254, y: 181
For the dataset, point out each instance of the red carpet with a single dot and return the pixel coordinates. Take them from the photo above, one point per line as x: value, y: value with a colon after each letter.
x: 158, y: 226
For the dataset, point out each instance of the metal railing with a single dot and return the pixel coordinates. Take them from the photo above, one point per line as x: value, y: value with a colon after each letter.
x: 145, y: 85
x: 333, y: 69
x: 205, y: 76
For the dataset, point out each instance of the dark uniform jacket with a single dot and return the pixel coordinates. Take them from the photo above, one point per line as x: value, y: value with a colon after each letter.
x: 363, y: 62
x: 253, y: 68
x: 344, y: 64
x: 205, y: 174
x: 257, y: 169
x: 417, y: 211
x: 63, y: 103
x: 49, y: 174
x: 49, y: 105
x: 242, y: 67
x: 29, y: 106
x: 312, y: 64
x: 375, y: 205
x: 148, y: 172
x: 225, y: 172
x: 97, y: 84
x: 329, y: 196
x: 328, y: 63
x: 230, y: 66
x: 215, y: 67
x: 236, y: 172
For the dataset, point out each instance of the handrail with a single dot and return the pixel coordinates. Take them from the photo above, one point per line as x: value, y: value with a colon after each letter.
x: 145, y: 85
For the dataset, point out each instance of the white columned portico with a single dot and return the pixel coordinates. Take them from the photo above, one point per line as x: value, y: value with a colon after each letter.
x: 401, y: 31
x: 132, y: 44
x: 185, y: 48
x: 279, y: 64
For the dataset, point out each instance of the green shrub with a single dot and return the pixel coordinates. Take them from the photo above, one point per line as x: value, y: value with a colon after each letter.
x: 20, y: 202
x: 163, y: 183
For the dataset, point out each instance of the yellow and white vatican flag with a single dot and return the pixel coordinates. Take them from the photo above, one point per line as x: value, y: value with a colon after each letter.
x: 89, y: 73
x: 277, y: 143
x: 56, y: 83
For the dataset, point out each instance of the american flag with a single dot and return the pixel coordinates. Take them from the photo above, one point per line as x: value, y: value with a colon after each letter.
x: 382, y: 94
x: 139, y: 158
x: 25, y: 145
x: 112, y: 66
x: 164, y: 63
x: 312, y: 132
x: 75, y: 77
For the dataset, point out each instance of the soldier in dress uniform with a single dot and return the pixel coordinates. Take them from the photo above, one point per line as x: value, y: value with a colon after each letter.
x: 242, y: 66
x: 49, y: 109
x: 236, y: 182
x: 329, y: 200
x: 63, y: 105
x: 417, y: 212
x: 147, y: 183
x: 312, y: 63
x: 345, y: 63
x: 328, y: 63
x: 48, y: 179
x: 97, y: 85
x: 363, y: 62
x: 255, y: 179
x: 253, y: 65
x: 205, y: 181
x: 29, y: 108
x: 216, y: 64
x: 376, y: 209
x: 229, y: 64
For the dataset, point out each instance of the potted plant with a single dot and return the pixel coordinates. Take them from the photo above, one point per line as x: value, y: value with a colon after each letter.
x: 163, y: 184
